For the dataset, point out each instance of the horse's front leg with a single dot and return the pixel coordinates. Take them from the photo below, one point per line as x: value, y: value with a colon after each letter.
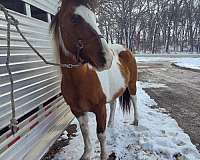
x: 112, y: 114
x: 83, y: 121
x: 101, y: 128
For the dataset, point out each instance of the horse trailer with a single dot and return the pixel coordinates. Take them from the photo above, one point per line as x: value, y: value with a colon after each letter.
x: 41, y: 111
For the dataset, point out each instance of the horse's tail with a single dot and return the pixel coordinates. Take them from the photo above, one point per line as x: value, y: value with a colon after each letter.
x: 125, y: 101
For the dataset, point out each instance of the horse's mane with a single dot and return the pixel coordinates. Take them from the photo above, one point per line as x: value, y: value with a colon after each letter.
x: 54, y: 29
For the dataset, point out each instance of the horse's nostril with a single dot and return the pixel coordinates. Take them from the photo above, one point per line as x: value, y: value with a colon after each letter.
x: 103, y: 53
x: 102, y: 58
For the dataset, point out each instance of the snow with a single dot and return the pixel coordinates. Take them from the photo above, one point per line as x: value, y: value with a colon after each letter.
x: 154, y: 59
x: 158, y: 136
x: 191, y: 63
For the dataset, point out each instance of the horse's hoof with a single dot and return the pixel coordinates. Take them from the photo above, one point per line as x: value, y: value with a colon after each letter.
x: 136, y: 123
x: 104, y: 157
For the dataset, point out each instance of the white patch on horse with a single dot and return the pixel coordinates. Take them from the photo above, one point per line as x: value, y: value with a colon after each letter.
x: 112, y: 79
x: 90, y: 18
x: 83, y: 121
x: 102, y: 140
x: 112, y: 114
x: 62, y: 45
x: 136, y: 116
x: 118, y: 48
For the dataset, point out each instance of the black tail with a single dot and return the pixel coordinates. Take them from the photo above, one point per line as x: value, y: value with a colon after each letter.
x: 125, y: 101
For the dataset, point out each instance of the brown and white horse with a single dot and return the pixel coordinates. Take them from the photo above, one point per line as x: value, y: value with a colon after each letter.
x: 103, y: 74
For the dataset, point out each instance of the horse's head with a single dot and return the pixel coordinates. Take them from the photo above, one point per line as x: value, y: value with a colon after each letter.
x: 79, y: 34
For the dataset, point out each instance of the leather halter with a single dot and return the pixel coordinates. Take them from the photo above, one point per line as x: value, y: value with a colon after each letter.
x: 79, y: 48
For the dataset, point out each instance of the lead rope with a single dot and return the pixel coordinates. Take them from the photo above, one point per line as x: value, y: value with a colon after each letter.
x: 12, y: 21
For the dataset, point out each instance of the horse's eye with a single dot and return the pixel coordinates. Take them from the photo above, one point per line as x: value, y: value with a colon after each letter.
x: 76, y: 19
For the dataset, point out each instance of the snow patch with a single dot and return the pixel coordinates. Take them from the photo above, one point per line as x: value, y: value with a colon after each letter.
x: 152, y: 85
x: 190, y: 63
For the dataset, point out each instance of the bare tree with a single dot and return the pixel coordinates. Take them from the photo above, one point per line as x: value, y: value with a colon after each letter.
x: 152, y: 25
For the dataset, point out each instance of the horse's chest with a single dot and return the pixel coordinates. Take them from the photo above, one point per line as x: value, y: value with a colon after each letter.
x: 112, y: 81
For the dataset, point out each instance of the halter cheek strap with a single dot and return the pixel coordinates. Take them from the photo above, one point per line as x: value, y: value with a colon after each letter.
x: 80, y: 47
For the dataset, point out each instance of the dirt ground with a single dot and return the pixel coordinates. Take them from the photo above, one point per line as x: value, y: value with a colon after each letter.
x: 181, y: 97
x: 60, y: 143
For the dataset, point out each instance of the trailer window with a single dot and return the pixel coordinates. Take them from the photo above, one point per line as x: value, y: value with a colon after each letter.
x: 39, y: 14
x: 17, y: 5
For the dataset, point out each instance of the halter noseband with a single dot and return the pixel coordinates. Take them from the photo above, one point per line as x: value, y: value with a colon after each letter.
x: 79, y: 48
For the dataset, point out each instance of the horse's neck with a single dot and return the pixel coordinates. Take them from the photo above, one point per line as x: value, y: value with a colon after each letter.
x: 67, y: 59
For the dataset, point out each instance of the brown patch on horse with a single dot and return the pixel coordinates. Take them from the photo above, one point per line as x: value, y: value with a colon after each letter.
x: 81, y: 89
x: 129, y: 71
x: 124, y: 71
x: 128, y: 60
x: 125, y: 57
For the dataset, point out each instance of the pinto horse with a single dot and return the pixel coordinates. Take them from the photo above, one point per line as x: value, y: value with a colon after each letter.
x: 100, y: 72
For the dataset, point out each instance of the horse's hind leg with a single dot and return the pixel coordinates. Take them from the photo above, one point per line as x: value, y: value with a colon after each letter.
x: 129, y: 60
x: 134, y: 101
x: 83, y: 121
x: 132, y: 90
x: 112, y: 114
x: 101, y: 127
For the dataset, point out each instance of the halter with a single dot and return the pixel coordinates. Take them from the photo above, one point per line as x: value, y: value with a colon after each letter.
x: 79, y: 48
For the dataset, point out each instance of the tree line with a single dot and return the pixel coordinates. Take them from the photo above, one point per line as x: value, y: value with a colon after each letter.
x: 151, y: 25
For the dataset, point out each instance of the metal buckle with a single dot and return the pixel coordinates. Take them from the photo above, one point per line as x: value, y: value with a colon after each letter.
x: 70, y: 66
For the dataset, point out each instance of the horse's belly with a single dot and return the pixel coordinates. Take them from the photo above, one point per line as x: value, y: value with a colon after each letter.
x: 112, y: 80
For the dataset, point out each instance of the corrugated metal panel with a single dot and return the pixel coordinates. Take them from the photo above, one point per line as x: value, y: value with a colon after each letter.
x: 35, y: 83
x: 37, y: 142
x: 46, y: 5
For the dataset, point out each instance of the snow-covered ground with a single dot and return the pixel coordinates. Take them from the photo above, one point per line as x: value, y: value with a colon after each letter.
x: 190, y: 63
x: 158, y: 136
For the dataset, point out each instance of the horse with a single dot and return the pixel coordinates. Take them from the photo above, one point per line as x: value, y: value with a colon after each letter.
x: 100, y: 72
